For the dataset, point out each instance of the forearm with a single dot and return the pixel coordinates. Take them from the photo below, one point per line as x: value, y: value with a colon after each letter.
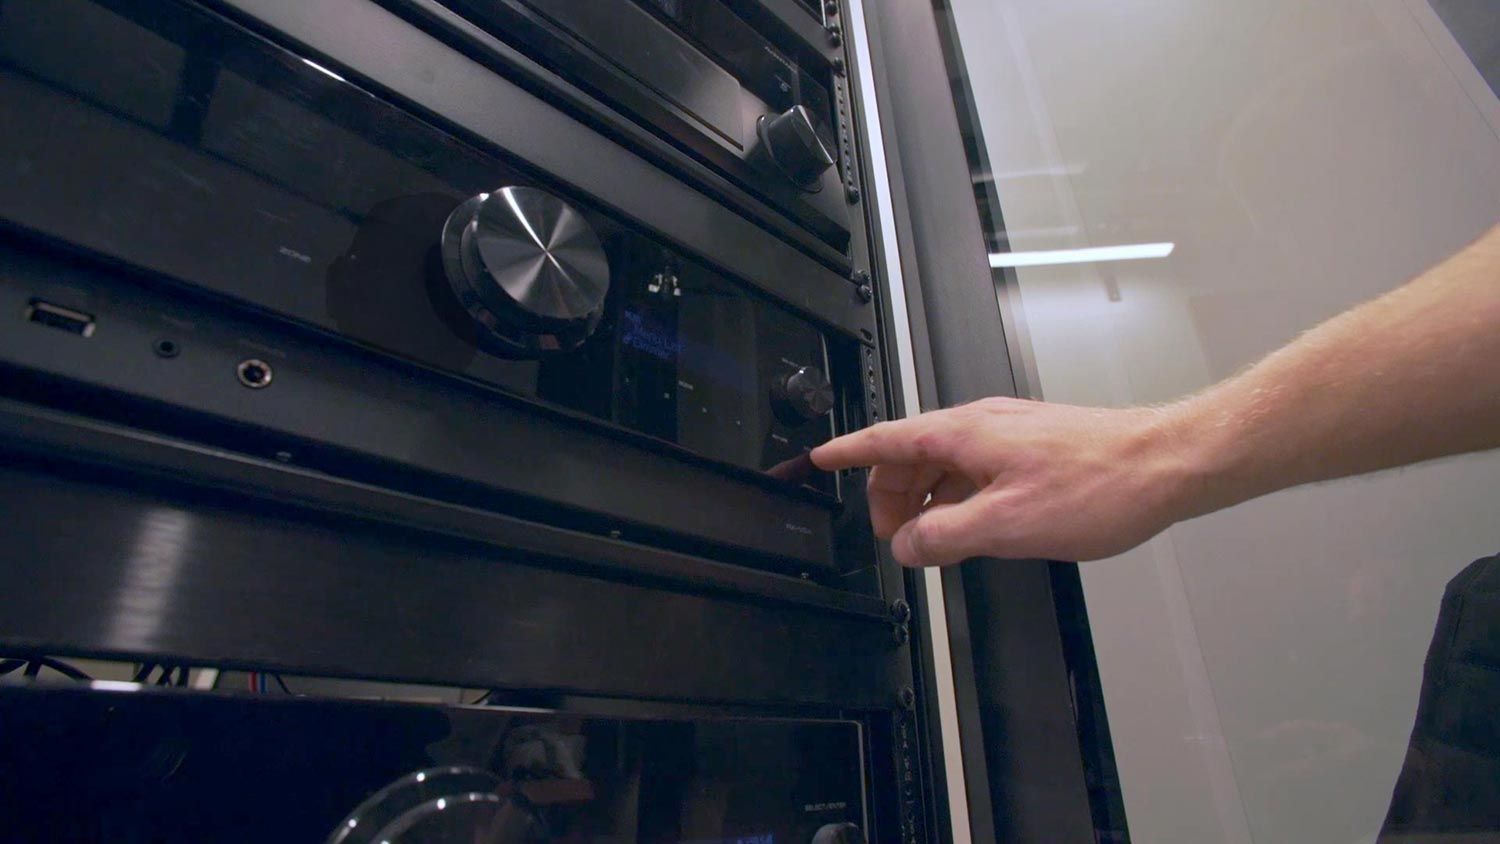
x: 1411, y: 376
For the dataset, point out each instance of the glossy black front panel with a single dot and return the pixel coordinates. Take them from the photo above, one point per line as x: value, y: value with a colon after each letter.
x: 699, y: 73
x: 136, y: 565
x: 365, y: 417
x: 668, y: 66
x: 166, y: 767
x: 774, y: 75
x: 168, y: 139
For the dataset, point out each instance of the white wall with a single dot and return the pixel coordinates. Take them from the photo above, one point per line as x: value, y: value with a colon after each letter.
x: 1260, y: 665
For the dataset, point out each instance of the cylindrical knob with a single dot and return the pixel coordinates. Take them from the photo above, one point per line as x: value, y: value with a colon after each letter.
x: 839, y: 833
x: 793, y: 145
x: 442, y: 804
x: 803, y: 395
x: 528, y: 268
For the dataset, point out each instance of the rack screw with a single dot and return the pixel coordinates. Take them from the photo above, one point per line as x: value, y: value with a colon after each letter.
x: 900, y: 610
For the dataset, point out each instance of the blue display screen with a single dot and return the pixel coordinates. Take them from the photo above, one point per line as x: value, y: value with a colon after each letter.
x: 644, y: 334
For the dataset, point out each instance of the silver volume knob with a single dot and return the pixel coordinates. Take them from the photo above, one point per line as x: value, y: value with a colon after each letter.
x: 528, y: 268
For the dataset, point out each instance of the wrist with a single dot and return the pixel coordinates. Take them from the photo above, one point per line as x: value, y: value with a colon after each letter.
x: 1197, y: 457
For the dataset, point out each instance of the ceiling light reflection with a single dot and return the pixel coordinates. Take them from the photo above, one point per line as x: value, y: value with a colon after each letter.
x: 1092, y: 255
x: 323, y: 70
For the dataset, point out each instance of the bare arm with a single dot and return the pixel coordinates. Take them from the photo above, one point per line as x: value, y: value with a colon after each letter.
x: 1408, y: 377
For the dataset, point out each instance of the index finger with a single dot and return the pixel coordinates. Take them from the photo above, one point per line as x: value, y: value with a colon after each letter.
x: 916, y: 440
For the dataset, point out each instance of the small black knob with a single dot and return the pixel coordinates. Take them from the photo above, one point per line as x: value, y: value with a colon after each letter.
x: 803, y: 395
x: 793, y: 145
x: 839, y: 833
x: 528, y: 268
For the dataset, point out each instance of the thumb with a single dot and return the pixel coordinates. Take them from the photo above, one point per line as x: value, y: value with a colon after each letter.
x: 944, y: 534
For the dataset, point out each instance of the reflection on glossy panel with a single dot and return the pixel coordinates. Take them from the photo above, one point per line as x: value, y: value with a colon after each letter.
x: 150, y: 574
x: 177, y: 766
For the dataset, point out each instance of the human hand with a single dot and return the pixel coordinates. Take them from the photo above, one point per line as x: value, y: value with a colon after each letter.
x: 1018, y: 479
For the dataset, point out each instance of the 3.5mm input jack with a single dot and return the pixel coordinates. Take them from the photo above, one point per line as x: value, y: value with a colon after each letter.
x: 255, y: 374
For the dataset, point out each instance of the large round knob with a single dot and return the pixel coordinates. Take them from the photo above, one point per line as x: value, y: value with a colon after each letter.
x: 793, y: 145
x: 442, y: 806
x: 528, y: 268
x: 839, y: 833
x: 803, y: 395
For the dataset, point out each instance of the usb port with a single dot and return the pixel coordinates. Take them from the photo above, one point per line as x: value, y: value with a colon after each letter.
x: 63, y: 319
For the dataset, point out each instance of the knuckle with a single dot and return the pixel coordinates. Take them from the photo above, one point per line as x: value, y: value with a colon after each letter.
x: 995, y: 511
x: 1007, y: 499
x: 929, y: 444
x: 963, y: 414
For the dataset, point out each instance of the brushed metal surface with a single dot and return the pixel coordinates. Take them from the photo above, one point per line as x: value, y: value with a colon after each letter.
x: 539, y: 251
x: 117, y: 565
